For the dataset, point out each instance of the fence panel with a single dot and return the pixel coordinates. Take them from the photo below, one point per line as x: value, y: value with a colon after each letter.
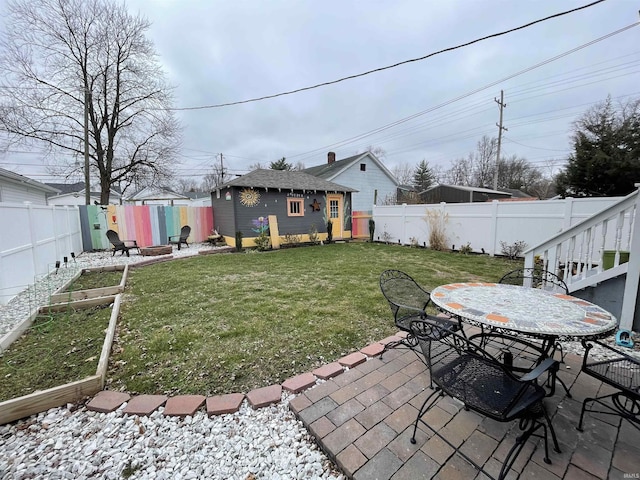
x: 32, y: 239
x: 360, y: 223
x: 146, y: 224
x: 485, y: 225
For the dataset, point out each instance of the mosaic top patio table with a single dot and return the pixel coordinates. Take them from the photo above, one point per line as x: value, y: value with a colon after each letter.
x: 532, y: 312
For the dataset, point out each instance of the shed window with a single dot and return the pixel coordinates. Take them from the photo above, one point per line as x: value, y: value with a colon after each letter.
x: 363, y: 167
x: 295, y: 208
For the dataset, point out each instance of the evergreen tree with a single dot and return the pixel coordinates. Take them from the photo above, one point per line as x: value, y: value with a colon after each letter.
x: 280, y: 165
x: 423, y: 177
x: 606, y: 157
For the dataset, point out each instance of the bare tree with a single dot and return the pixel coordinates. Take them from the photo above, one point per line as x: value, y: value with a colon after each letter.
x: 379, y: 152
x: 217, y: 177
x: 477, y: 169
x: 257, y: 166
x: 183, y: 185
x: 484, y: 162
x: 403, y: 173
x: 460, y: 172
x: 516, y: 172
x: 59, y: 55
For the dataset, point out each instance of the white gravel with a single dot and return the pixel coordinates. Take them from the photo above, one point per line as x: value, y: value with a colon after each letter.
x: 74, y: 443
x: 267, y: 443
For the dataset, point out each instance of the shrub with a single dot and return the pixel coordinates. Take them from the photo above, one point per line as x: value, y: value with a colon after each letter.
x: 466, y: 249
x: 513, y: 251
x: 437, y: 221
x: 291, y: 239
x: 372, y: 229
x: 238, y: 241
x: 261, y: 227
x: 329, y: 231
x: 313, y: 234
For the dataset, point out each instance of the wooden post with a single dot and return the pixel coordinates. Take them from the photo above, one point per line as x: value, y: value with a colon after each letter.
x: 632, y: 283
x: 273, y: 232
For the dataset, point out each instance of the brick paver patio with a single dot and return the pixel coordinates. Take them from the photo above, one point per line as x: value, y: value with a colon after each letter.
x: 363, y: 419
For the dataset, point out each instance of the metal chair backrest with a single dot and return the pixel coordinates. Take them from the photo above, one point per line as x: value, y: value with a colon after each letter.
x: 404, y: 295
x: 620, y: 371
x: 464, y: 370
x: 535, y: 277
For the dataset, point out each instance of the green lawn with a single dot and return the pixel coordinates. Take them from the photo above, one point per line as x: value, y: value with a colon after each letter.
x: 233, y: 322
x: 58, y: 348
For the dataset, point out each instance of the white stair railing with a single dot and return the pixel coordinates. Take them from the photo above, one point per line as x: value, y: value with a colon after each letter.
x: 583, y: 251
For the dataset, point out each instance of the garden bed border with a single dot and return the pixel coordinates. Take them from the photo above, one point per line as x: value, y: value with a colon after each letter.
x: 40, y: 401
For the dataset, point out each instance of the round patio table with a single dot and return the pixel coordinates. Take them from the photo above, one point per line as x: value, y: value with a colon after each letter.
x: 536, y: 313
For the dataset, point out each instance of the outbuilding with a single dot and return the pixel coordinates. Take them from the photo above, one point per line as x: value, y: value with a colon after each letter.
x: 292, y: 203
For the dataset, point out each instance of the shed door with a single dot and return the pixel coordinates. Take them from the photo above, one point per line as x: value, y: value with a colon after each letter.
x: 335, y: 214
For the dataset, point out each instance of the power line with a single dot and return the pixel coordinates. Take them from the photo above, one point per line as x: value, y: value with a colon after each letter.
x: 465, y: 95
x: 380, y: 69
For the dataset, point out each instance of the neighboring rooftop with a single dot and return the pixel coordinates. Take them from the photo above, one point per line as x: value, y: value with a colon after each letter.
x: 284, y: 179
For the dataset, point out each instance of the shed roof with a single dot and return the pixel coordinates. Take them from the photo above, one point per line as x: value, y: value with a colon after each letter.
x: 468, y: 189
x: 284, y: 179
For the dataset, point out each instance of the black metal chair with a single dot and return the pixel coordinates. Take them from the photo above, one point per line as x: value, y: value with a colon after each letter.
x: 121, y: 245
x: 463, y: 370
x: 182, y: 238
x: 520, y: 354
x: 536, y: 277
x: 620, y: 371
x: 408, y: 301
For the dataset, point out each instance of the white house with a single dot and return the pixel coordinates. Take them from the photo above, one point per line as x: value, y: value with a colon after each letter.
x: 152, y: 195
x: 363, y: 172
x: 199, y: 199
x: 74, y: 194
x: 15, y: 188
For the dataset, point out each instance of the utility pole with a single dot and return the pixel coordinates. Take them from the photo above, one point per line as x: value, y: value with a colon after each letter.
x: 221, y: 169
x: 500, y: 129
x: 87, y: 188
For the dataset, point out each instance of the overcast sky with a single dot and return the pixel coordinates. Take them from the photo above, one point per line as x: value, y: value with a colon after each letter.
x: 219, y: 51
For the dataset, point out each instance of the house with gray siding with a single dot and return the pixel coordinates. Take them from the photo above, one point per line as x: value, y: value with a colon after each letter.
x: 294, y: 202
x: 15, y: 188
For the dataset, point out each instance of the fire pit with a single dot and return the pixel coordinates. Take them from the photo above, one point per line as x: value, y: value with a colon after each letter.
x: 156, y: 250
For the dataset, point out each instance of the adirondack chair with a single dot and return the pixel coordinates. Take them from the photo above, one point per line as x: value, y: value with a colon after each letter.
x: 182, y: 238
x: 121, y: 245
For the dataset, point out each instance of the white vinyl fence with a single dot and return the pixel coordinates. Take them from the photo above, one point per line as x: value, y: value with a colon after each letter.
x: 32, y: 239
x: 485, y: 225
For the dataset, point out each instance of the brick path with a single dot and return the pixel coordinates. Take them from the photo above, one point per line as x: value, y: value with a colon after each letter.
x: 361, y: 410
x: 363, y: 420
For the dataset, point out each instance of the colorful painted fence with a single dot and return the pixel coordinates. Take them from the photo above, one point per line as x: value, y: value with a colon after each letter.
x: 147, y: 224
x: 360, y: 223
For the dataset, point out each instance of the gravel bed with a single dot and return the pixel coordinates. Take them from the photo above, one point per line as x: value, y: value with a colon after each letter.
x: 74, y: 443
x: 61, y: 443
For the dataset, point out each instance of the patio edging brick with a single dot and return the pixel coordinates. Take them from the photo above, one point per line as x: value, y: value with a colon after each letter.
x: 107, y: 401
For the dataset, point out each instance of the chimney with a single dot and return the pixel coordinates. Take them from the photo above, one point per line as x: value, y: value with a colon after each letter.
x: 331, y: 157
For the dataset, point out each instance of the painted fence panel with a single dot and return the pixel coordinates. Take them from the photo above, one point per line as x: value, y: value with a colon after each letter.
x: 147, y: 224
x: 360, y: 223
x: 32, y: 239
x: 485, y: 225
